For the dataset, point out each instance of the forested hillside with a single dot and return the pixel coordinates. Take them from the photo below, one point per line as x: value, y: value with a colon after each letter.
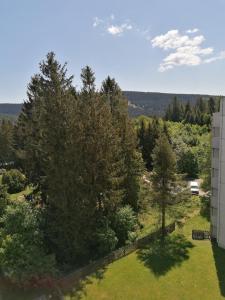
x: 150, y: 104
x: 140, y: 103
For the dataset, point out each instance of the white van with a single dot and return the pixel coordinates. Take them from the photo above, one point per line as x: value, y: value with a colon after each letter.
x: 194, y: 188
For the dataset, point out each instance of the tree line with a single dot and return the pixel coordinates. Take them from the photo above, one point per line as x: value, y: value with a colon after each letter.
x: 190, y: 142
x: 200, y: 113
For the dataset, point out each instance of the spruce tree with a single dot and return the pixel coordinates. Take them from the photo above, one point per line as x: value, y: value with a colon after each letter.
x: 164, y: 176
x: 88, y: 80
x: 211, y: 105
x: 6, y: 142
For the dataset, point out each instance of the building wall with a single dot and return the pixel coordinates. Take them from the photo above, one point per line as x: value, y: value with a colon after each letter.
x: 215, y: 173
x: 218, y: 176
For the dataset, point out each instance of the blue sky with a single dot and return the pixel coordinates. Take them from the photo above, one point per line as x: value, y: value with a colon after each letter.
x: 147, y: 45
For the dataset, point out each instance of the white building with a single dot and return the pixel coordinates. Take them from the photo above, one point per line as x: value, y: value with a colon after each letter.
x: 218, y: 176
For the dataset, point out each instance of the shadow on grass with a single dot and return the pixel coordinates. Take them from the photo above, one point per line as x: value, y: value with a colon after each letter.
x: 219, y: 257
x: 77, y: 289
x: 162, y: 255
x: 9, y: 291
x: 205, y: 207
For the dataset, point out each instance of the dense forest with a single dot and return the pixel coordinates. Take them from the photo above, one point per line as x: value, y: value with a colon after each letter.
x: 82, y: 161
x: 139, y: 103
x: 199, y: 113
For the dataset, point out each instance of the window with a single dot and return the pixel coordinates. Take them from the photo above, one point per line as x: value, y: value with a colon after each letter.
x: 214, y: 192
x: 213, y: 211
x: 216, y: 131
x: 215, y: 172
x: 215, y: 153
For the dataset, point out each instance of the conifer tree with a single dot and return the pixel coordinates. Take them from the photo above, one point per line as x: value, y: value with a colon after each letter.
x: 6, y: 142
x: 211, y: 106
x: 164, y: 177
x: 88, y: 80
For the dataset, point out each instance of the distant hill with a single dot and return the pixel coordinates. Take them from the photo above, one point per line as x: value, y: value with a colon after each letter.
x: 10, y: 108
x: 148, y: 103
x: 140, y: 103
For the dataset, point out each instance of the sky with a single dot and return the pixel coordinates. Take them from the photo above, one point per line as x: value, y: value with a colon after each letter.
x: 175, y: 46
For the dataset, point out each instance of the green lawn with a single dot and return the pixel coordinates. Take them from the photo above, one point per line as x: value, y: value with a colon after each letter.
x: 187, y: 270
x: 25, y: 192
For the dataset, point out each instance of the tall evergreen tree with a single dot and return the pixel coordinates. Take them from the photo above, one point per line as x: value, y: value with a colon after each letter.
x: 211, y: 105
x: 80, y: 150
x: 88, y: 80
x: 163, y: 177
x: 6, y: 142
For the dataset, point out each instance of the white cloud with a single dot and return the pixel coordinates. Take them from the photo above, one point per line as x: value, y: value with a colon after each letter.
x: 195, y: 30
x: 110, y: 26
x: 185, y: 50
x: 97, y: 22
x: 173, y: 40
x: 118, y: 29
x: 215, y: 58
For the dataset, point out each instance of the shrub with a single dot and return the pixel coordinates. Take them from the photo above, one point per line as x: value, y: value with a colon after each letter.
x: 188, y: 164
x: 106, y: 240
x: 125, y: 222
x: 15, y: 181
x: 23, y: 256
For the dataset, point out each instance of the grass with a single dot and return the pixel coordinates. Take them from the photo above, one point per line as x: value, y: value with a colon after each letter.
x: 25, y: 192
x: 178, y: 269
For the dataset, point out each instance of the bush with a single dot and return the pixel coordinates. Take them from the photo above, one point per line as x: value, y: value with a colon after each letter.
x: 106, y: 240
x: 124, y: 224
x: 15, y: 181
x: 23, y: 257
x: 188, y: 164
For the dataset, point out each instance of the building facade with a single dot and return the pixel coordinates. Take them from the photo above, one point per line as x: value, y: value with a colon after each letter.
x: 217, y: 211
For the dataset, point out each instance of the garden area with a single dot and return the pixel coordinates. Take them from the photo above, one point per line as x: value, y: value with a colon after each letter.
x: 188, y: 269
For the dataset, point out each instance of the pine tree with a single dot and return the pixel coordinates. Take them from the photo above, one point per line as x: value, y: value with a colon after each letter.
x: 51, y: 81
x: 6, y: 142
x: 200, y: 105
x: 211, y: 106
x: 80, y: 151
x: 163, y: 178
x: 176, y: 115
x: 130, y: 158
x: 88, y: 80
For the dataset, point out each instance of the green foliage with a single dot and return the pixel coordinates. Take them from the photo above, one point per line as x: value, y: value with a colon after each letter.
x: 200, y: 113
x: 22, y: 252
x: 125, y: 223
x: 79, y: 149
x: 190, y: 143
x: 188, y: 164
x: 106, y: 240
x: 6, y: 141
x: 14, y: 180
x: 163, y: 176
x: 3, y: 198
x: 206, y: 165
x: 148, y: 133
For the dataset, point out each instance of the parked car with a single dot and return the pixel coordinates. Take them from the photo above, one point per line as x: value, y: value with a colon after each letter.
x: 194, y: 188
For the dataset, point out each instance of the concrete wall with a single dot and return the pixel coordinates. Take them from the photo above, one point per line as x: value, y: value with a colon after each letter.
x: 216, y: 131
x: 218, y: 176
x: 221, y: 182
